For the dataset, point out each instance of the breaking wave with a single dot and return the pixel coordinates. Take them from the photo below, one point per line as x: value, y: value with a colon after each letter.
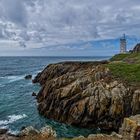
x: 10, y: 79
x: 11, y: 119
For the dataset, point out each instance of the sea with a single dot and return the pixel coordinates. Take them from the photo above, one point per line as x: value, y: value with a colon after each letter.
x: 18, y: 108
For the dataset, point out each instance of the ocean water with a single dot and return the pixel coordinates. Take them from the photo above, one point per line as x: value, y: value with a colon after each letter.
x: 17, y: 106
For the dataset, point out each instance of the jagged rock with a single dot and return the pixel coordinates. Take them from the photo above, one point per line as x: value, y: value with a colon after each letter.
x: 28, y: 77
x: 28, y: 131
x: 4, y: 135
x: 136, y: 48
x: 101, y: 137
x: 84, y: 94
x: 47, y: 131
x: 136, y: 102
x: 114, y: 134
x: 130, y: 129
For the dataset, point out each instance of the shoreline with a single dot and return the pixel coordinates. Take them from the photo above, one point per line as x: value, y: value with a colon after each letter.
x: 80, y: 92
x: 70, y: 88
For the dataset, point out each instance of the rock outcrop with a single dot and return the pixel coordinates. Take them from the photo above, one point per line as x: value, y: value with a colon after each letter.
x: 85, y: 94
x: 130, y: 129
x: 115, y: 136
x: 30, y: 133
x: 136, y: 48
x: 34, y: 94
x: 44, y: 133
x: 28, y: 77
x: 4, y: 135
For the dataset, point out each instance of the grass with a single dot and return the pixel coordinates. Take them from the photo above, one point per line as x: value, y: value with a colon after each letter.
x: 135, y: 57
x: 129, y: 72
x: 119, y: 57
x: 125, y: 70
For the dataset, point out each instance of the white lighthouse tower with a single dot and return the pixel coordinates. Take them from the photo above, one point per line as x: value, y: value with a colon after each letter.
x: 123, y: 44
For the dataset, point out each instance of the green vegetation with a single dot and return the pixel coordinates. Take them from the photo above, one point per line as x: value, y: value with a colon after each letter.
x: 128, y: 57
x: 126, y: 67
x: 119, y: 57
x: 129, y: 72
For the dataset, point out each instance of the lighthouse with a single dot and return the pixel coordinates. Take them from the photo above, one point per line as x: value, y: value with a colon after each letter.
x: 123, y: 44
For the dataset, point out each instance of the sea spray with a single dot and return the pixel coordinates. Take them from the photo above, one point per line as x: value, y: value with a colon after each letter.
x: 12, y: 119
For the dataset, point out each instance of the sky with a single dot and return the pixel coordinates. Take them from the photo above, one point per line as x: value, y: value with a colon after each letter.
x: 67, y: 27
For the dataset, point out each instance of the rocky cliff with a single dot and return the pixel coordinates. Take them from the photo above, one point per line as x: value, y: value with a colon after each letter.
x: 130, y: 130
x: 85, y: 94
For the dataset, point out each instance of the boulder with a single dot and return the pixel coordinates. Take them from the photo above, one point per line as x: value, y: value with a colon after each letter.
x: 114, y: 134
x: 47, y: 131
x: 4, y: 135
x: 131, y: 128
x: 28, y: 131
x: 85, y: 95
x: 28, y: 77
x: 34, y: 94
x: 136, y: 102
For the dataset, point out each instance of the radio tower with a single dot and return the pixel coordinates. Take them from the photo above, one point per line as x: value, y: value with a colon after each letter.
x: 123, y: 44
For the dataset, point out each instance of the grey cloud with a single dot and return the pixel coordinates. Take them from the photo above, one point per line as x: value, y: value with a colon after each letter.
x: 13, y: 11
x: 69, y: 20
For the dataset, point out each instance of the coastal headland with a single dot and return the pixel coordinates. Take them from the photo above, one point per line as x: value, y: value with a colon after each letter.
x: 104, y: 95
x: 91, y: 94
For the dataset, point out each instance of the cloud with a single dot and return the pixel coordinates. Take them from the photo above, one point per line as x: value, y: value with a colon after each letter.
x: 60, y: 22
x: 13, y: 11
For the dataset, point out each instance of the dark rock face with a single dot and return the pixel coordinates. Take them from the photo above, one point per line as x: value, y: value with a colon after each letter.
x: 28, y: 77
x: 84, y: 94
x: 136, y: 48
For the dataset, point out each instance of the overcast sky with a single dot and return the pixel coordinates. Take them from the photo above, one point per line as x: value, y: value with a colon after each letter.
x: 67, y: 27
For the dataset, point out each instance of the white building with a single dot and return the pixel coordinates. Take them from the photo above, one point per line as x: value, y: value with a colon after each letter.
x: 123, y: 44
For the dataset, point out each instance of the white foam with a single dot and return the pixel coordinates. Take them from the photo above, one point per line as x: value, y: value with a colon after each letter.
x: 3, y: 122
x: 36, y: 73
x: 10, y: 79
x: 14, y: 118
x: 11, y: 119
x: 14, y: 78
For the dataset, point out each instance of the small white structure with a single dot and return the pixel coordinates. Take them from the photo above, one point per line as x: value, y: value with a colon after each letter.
x: 123, y: 44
